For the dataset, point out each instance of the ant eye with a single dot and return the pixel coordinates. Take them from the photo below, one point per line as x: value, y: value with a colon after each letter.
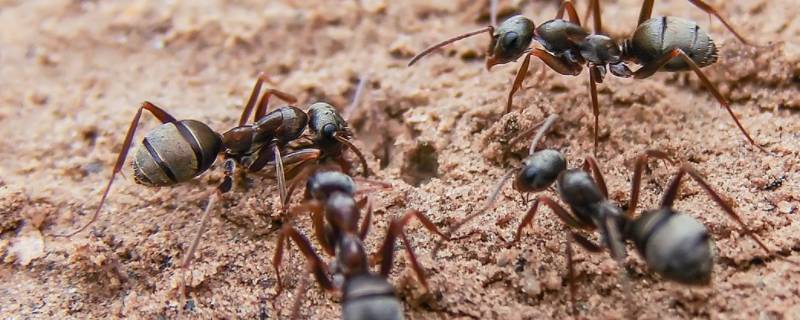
x: 329, y: 130
x: 510, y: 40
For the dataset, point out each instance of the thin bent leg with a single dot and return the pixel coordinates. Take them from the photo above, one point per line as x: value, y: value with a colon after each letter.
x: 591, y: 163
x: 589, y: 246
x: 561, y: 213
x: 396, y: 230
x: 569, y: 7
x: 650, y: 69
x: 162, y: 116
x: 263, y: 103
x: 562, y: 66
x: 316, y: 265
x: 223, y: 187
x: 593, y: 78
x: 711, y: 10
x: 672, y: 192
x: 522, y: 72
x: 594, y: 7
x: 365, y: 224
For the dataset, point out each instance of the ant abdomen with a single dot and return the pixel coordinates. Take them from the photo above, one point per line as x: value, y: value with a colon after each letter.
x: 659, y: 35
x: 540, y: 171
x: 175, y: 152
x: 369, y: 297
x: 675, y: 245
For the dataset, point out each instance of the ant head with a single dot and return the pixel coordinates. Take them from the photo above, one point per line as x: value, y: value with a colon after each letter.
x: 510, y: 40
x: 325, y: 121
x: 674, y: 245
x: 540, y: 170
x: 324, y: 183
x: 601, y: 50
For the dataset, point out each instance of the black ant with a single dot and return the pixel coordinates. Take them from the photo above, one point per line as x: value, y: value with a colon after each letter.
x: 179, y: 150
x: 538, y: 172
x: 658, y: 44
x: 673, y: 244
x: 335, y: 217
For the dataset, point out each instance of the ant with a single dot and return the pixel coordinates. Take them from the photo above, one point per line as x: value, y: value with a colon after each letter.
x: 658, y: 44
x: 673, y: 244
x: 538, y: 172
x: 179, y: 150
x: 335, y: 215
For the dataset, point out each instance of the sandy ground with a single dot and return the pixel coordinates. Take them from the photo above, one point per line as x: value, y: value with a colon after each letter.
x: 73, y: 72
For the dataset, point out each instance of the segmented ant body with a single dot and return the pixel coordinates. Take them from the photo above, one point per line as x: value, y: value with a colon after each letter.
x: 335, y: 217
x: 179, y: 150
x: 673, y: 244
x: 658, y: 44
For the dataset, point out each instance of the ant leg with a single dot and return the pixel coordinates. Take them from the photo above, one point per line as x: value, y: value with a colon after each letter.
x: 593, y: 78
x: 223, y: 187
x: 395, y: 230
x: 264, y: 101
x: 299, y: 294
x: 591, y: 162
x: 641, y: 163
x: 636, y: 184
x: 562, y: 214
x: 672, y: 192
x: 489, y: 204
x: 352, y: 147
x: 263, y: 104
x: 522, y: 72
x: 569, y: 7
x: 280, y: 175
x: 598, y: 16
x: 364, y: 229
x: 651, y: 68
x: 560, y: 65
x: 589, y: 246
x: 162, y: 116
x: 316, y: 265
x: 710, y: 10
x: 646, y: 11
x: 489, y: 29
x: 251, y: 101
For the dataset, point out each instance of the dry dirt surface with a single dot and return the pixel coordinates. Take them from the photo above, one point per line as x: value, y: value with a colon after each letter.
x: 73, y: 73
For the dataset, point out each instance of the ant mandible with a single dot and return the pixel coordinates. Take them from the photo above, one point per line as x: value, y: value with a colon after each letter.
x: 335, y: 217
x: 658, y: 44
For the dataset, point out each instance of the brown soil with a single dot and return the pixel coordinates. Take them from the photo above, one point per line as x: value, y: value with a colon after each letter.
x: 73, y: 72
